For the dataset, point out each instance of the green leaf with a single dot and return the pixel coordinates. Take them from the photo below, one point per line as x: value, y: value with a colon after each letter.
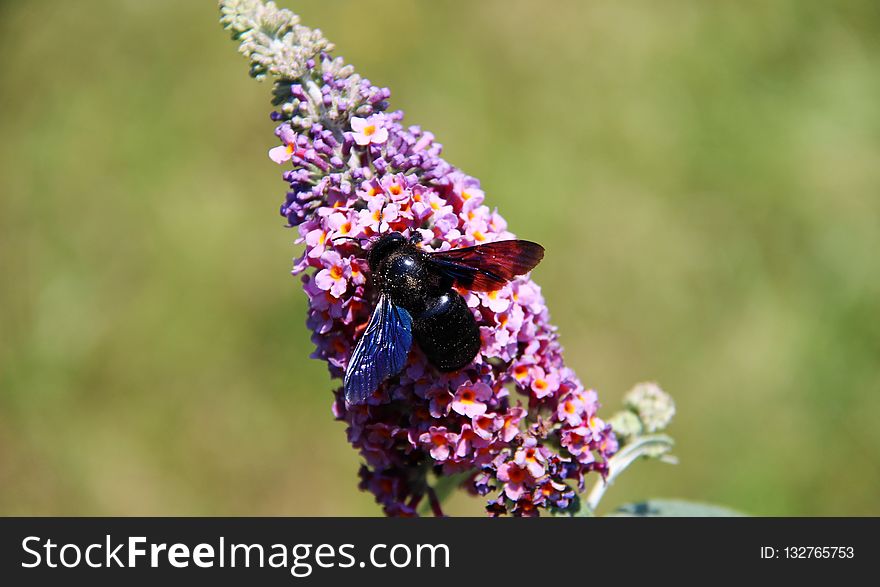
x: 443, y: 487
x: 674, y: 508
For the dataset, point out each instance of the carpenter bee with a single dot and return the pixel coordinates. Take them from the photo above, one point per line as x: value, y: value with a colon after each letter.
x: 417, y: 300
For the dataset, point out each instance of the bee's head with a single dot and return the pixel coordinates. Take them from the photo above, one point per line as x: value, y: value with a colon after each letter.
x: 384, y: 246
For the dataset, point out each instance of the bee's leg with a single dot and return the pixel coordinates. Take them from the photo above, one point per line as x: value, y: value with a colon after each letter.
x: 415, y: 237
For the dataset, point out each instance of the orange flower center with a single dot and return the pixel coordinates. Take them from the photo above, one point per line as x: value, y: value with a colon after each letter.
x: 516, y: 474
x: 336, y: 272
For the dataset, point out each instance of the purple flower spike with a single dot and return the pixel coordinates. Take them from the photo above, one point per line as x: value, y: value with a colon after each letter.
x: 516, y: 422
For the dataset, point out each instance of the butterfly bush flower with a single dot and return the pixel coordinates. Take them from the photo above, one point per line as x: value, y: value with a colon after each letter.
x: 517, y: 424
x: 369, y: 131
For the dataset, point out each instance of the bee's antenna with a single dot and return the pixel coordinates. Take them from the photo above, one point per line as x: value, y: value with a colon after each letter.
x: 382, y: 210
x: 351, y: 238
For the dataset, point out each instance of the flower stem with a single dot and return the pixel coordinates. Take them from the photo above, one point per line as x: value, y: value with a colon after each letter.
x: 651, y: 445
x: 435, y: 503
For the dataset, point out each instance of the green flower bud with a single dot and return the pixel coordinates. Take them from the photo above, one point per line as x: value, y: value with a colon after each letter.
x: 654, y: 406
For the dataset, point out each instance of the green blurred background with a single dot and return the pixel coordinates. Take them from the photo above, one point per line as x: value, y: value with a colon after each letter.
x: 705, y: 177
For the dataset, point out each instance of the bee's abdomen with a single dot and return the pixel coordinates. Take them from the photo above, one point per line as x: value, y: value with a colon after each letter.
x: 447, y: 332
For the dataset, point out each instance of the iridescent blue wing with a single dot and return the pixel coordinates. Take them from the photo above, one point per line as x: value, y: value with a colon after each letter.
x: 380, y: 353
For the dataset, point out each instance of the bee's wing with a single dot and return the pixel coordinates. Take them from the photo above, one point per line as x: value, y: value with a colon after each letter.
x: 381, y: 351
x: 487, y: 267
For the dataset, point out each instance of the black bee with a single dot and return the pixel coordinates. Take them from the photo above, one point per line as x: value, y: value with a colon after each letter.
x: 417, y: 300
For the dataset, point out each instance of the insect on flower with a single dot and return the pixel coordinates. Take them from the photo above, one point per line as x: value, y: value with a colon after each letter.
x: 487, y: 392
x: 417, y: 300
